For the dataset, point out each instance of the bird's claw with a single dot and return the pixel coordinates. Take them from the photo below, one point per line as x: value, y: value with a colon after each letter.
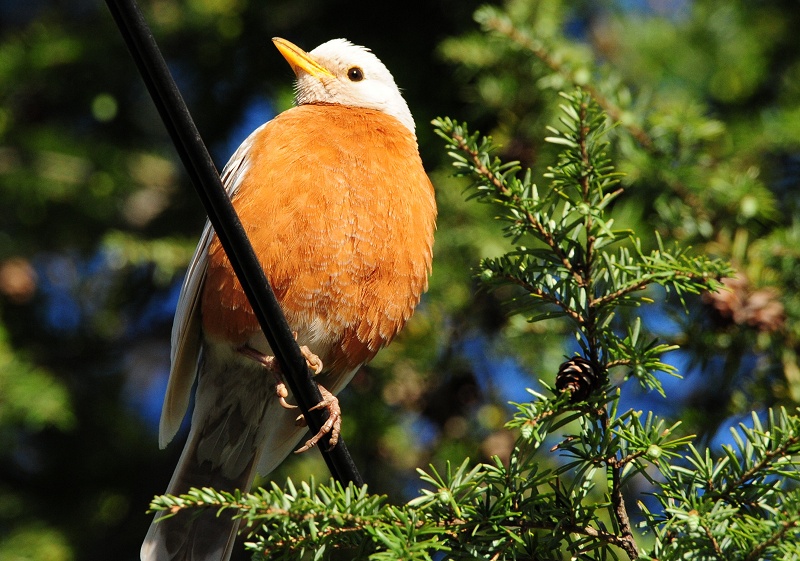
x: 312, y: 361
x: 283, y: 393
x: 332, y: 425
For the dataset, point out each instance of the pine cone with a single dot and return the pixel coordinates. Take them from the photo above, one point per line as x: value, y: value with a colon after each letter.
x: 764, y: 310
x: 729, y: 300
x: 578, y: 377
x: 738, y: 303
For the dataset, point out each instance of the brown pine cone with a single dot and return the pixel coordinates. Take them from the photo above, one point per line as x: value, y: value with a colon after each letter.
x: 578, y: 377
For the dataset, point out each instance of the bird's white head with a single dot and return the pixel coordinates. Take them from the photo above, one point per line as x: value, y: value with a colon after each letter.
x: 346, y: 74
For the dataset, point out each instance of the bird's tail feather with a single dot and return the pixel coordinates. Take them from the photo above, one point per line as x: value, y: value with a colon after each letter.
x: 222, y: 451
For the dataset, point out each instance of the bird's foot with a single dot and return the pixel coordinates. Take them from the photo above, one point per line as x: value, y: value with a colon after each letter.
x: 333, y: 424
x: 271, y: 364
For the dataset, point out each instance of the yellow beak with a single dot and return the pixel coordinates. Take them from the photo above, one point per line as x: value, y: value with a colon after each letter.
x: 299, y: 60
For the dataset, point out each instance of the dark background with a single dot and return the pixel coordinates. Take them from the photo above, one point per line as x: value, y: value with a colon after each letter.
x: 98, y: 222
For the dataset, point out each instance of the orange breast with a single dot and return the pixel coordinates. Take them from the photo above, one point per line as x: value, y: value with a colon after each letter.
x: 341, y: 215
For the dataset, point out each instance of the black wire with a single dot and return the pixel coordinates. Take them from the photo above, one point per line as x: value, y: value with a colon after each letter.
x: 223, y: 217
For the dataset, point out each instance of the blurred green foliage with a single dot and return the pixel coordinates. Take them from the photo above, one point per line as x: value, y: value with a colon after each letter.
x: 98, y: 221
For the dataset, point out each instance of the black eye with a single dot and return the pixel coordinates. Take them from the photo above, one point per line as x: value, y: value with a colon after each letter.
x: 355, y: 74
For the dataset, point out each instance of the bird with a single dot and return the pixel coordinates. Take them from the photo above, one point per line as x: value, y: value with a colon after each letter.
x: 335, y: 200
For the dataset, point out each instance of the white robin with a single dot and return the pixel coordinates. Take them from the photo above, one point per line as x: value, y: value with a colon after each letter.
x: 341, y: 214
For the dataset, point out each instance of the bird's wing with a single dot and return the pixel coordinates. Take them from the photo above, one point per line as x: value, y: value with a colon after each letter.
x: 186, y: 332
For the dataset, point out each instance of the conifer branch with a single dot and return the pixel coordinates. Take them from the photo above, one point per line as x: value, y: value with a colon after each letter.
x: 713, y: 540
x: 496, y: 21
x: 787, y: 449
x: 618, y: 294
x: 538, y: 292
x: 785, y: 527
x: 626, y: 539
x: 464, y: 145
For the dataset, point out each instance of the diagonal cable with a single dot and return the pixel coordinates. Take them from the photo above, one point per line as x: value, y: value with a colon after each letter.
x: 223, y: 217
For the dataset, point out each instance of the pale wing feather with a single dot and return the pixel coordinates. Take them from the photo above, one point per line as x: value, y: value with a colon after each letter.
x: 186, y: 331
